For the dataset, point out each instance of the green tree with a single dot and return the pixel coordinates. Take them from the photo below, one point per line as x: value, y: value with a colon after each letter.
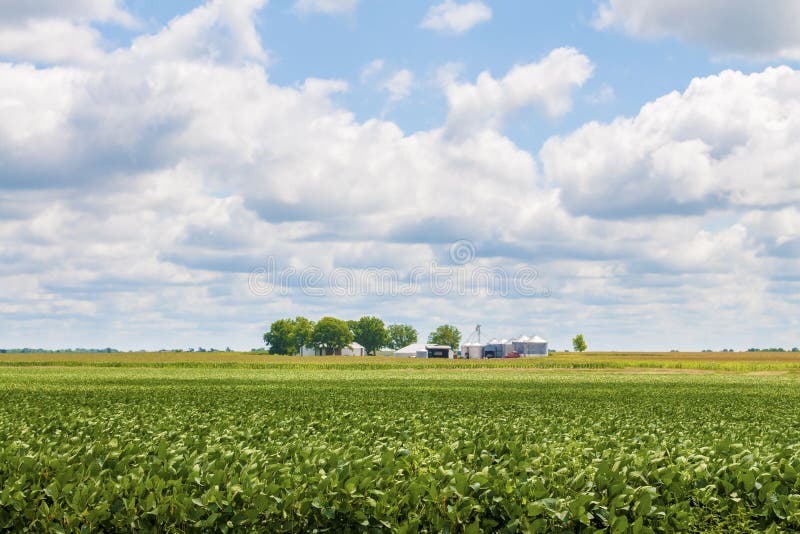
x: 401, y: 335
x: 303, y: 332
x: 578, y: 343
x: 446, y: 334
x: 280, y: 337
x: 370, y: 332
x: 331, y: 335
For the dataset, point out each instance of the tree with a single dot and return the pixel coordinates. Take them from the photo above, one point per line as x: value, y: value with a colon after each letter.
x: 303, y: 332
x: 331, y: 335
x: 370, y: 332
x: 578, y: 343
x: 401, y: 335
x: 281, y: 337
x: 446, y: 334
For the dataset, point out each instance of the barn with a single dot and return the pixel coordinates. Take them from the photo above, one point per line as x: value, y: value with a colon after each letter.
x: 425, y: 350
x: 439, y: 351
x: 415, y: 350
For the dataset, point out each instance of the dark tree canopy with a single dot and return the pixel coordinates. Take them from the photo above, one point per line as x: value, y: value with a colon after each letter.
x: 281, y: 337
x: 332, y: 335
x: 303, y: 332
x: 446, y: 334
x: 401, y: 335
x: 578, y: 343
x: 371, y: 333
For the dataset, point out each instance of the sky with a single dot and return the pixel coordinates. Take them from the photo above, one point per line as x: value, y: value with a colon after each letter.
x: 179, y: 174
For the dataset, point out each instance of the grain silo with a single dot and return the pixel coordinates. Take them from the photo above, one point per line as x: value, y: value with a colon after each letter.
x: 472, y: 351
x: 497, y: 348
x: 530, y: 346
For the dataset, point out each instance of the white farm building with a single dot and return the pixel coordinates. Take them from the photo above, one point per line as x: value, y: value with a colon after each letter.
x: 354, y: 349
x: 425, y: 350
x: 415, y: 350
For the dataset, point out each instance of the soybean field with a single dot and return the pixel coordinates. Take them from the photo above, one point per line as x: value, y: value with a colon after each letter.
x: 283, y: 449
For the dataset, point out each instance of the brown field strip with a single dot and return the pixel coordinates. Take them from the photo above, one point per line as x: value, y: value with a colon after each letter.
x: 742, y: 362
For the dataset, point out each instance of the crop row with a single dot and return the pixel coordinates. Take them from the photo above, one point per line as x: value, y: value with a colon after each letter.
x: 169, y: 450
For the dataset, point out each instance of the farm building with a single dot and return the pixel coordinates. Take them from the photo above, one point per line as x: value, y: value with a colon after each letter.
x: 501, y: 348
x: 425, y: 350
x: 439, y: 351
x: 354, y: 349
x: 415, y: 350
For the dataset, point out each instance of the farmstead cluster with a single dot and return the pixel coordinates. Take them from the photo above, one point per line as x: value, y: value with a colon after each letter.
x: 369, y: 335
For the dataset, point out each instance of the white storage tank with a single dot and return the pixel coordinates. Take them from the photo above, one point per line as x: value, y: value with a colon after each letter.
x: 520, y: 344
x: 472, y: 351
x: 537, y: 346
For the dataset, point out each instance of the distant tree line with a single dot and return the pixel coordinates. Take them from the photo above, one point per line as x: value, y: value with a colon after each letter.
x: 54, y: 351
x: 753, y: 349
x: 330, y: 335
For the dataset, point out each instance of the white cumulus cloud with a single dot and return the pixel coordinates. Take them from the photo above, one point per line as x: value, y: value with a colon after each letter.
x: 150, y: 183
x: 221, y: 30
x: 761, y: 30
x: 82, y: 10
x: 371, y: 69
x: 455, y: 17
x: 330, y: 7
x: 726, y: 141
x: 53, y: 32
x: 548, y: 83
x: 399, y: 85
x: 603, y: 95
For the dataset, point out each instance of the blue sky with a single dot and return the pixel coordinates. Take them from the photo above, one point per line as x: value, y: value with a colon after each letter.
x: 638, y: 155
x: 303, y: 45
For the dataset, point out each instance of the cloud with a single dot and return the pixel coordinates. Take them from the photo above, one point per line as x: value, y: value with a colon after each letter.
x: 371, y: 69
x: 41, y: 41
x: 725, y: 142
x: 221, y: 30
x: 454, y: 17
x: 57, y: 32
x: 139, y: 173
x: 110, y: 117
x: 547, y: 83
x: 139, y: 190
x: 399, y: 85
x: 759, y: 30
x: 80, y: 10
x: 330, y: 7
x: 604, y: 94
